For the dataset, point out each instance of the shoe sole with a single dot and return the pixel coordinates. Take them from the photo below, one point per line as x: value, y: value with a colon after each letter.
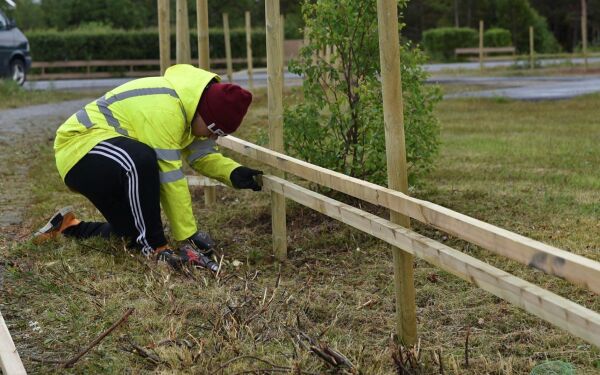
x: 55, y: 221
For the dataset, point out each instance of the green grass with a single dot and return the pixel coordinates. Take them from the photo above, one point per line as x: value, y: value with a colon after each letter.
x: 530, y: 167
x: 14, y: 96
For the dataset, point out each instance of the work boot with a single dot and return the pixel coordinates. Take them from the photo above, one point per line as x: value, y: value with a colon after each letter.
x: 60, y: 221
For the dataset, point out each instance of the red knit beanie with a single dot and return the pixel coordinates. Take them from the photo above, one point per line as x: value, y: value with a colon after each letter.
x: 225, y: 105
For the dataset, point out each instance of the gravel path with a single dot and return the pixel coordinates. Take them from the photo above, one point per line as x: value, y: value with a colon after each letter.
x: 22, y: 132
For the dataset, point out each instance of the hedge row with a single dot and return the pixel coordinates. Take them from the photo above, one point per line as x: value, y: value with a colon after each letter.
x: 440, y: 43
x: 497, y: 37
x: 51, y: 45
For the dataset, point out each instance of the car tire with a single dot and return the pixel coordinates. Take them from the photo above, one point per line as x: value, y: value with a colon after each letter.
x: 17, y: 71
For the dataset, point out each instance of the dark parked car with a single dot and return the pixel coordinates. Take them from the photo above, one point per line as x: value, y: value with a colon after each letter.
x: 15, y: 59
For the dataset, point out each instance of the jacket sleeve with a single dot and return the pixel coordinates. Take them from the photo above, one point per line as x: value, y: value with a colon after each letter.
x: 204, y: 157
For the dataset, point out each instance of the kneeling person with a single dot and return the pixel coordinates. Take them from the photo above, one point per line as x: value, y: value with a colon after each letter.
x: 124, y: 153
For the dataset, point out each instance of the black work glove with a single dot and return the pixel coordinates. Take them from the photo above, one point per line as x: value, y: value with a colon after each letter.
x: 187, y: 255
x: 243, y: 178
x: 202, y: 241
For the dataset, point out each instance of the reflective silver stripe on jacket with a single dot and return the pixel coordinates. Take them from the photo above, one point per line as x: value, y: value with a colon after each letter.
x: 200, y: 148
x: 103, y: 103
x: 167, y: 154
x: 83, y: 118
x: 171, y: 176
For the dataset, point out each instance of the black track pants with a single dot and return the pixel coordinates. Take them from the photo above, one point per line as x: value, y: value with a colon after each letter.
x: 120, y: 177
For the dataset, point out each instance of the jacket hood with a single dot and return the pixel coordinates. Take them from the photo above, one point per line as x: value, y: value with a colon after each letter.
x: 189, y: 82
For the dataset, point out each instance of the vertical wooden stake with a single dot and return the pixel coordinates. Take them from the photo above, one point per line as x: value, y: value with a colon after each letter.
x: 283, y: 60
x: 227, y: 47
x: 249, y: 51
x: 531, y: 49
x: 481, y: 45
x: 183, y: 33
x: 164, y: 35
x: 584, y: 32
x: 391, y: 82
x: 210, y: 192
x: 275, y: 99
x: 202, y: 22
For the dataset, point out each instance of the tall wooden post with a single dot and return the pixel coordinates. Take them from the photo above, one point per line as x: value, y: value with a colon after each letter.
x: 249, y: 51
x: 391, y: 82
x: 480, y: 44
x: 584, y: 33
x: 210, y: 192
x: 164, y: 35
x: 202, y: 22
x: 183, y: 33
x: 531, y: 49
x: 275, y: 100
x: 227, y: 47
x: 283, y: 61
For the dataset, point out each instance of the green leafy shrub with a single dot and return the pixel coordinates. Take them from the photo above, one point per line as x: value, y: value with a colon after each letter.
x: 339, y: 123
x: 98, y: 42
x: 497, y: 37
x: 440, y: 43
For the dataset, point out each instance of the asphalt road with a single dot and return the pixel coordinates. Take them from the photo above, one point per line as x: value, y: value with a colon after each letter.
x: 521, y: 88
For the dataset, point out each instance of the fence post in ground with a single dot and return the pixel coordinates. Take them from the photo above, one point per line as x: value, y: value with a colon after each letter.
x: 275, y: 99
x: 584, y: 32
x: 480, y: 44
x: 202, y: 24
x: 183, y: 33
x: 249, y: 51
x: 210, y: 192
x: 227, y: 47
x: 282, y: 41
x: 389, y: 52
x: 164, y: 35
x: 531, y: 49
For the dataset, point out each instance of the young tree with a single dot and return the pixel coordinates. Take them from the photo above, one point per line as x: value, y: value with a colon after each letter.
x: 339, y: 123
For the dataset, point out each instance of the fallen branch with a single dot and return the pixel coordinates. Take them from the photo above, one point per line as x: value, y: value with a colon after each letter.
x: 70, y: 362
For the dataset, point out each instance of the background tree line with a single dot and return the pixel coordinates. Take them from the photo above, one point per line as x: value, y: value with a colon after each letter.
x: 560, y: 18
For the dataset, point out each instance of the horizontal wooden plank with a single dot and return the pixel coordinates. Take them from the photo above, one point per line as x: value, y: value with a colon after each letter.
x: 10, y: 362
x: 563, y: 313
x: 124, y: 63
x: 554, y: 261
x: 462, y: 51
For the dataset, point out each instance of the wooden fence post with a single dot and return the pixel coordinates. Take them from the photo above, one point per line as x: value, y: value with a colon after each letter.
x: 480, y: 44
x: 584, y: 33
x: 202, y: 24
x: 275, y: 100
x: 227, y: 47
x: 249, y: 51
x: 531, y: 49
x: 164, y: 35
x: 183, y: 33
x: 389, y: 51
x: 210, y: 192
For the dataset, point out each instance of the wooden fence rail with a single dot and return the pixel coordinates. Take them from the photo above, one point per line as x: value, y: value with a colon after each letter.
x: 557, y: 310
x: 551, y: 260
x: 131, y: 66
x: 561, y: 312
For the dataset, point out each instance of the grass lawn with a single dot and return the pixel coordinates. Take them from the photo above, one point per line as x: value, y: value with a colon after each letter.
x: 530, y: 167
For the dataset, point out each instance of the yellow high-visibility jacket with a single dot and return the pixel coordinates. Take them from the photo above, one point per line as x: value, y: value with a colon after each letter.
x: 157, y: 111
